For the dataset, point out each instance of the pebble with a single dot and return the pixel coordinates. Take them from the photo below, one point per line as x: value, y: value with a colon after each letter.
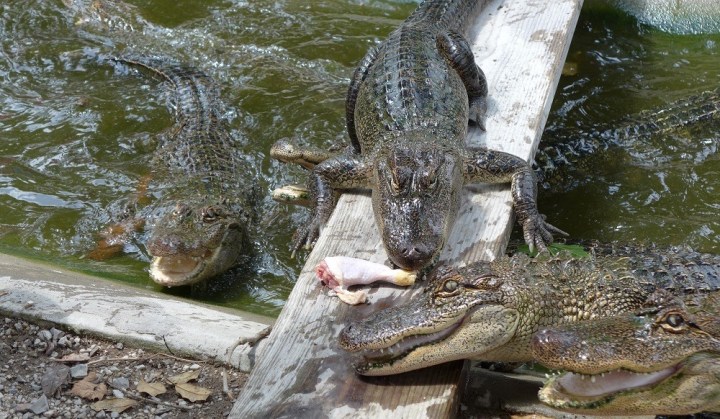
x: 45, y: 335
x: 79, y: 371
x: 40, y: 405
x: 120, y: 383
x: 118, y: 394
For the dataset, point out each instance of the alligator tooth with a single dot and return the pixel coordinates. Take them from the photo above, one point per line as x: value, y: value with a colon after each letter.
x: 592, y: 379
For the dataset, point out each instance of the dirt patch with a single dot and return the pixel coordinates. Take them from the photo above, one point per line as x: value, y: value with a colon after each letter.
x: 49, y: 372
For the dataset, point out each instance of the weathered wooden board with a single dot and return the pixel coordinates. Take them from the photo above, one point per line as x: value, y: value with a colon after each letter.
x: 92, y: 305
x: 521, y: 46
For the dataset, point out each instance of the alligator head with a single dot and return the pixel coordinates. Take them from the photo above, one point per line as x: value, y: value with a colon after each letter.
x: 458, y: 315
x: 194, y: 242
x: 659, y: 361
x: 415, y: 202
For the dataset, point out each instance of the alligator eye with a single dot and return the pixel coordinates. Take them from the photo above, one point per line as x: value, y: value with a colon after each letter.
x: 211, y: 213
x: 674, y: 320
x: 394, y: 183
x: 450, y: 286
x: 182, y: 210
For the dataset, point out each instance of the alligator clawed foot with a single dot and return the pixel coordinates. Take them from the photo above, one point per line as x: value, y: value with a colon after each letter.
x: 305, y: 238
x: 538, y: 233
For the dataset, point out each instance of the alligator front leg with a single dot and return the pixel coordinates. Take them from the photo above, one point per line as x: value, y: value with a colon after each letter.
x: 458, y: 53
x: 308, y: 157
x: 358, y: 76
x: 341, y: 172
x: 488, y: 166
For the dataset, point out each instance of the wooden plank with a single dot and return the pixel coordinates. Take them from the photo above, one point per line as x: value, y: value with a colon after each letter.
x: 102, y: 308
x: 521, y: 45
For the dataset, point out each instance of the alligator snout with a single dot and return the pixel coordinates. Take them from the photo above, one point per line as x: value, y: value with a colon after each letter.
x: 413, y: 256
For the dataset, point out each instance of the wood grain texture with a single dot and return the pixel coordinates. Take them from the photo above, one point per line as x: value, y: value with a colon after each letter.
x: 521, y: 45
x: 102, y: 308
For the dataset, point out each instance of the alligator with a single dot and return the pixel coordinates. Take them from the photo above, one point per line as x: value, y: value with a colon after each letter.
x: 662, y: 359
x: 199, y: 223
x: 407, y: 112
x: 552, y: 154
x: 490, y: 310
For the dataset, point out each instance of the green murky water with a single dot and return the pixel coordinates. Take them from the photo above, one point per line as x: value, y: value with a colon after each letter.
x: 75, y: 135
x: 664, y: 189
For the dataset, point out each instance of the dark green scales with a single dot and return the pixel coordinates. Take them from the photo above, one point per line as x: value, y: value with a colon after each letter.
x: 408, y: 107
x: 204, y: 183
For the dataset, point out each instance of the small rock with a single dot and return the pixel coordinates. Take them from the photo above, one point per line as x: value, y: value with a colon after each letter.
x: 119, y: 345
x: 55, y: 376
x: 120, y: 383
x: 45, y: 335
x: 40, y: 405
x: 118, y: 394
x: 79, y: 371
x: 63, y: 341
x: 194, y: 367
x: 114, y: 415
x: 56, y: 334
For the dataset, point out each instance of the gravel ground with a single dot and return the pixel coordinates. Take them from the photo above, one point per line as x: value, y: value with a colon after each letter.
x: 46, y: 372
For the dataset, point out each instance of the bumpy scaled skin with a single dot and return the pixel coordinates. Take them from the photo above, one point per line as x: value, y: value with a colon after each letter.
x: 288, y: 152
x: 490, y: 311
x: 205, y: 184
x: 408, y: 108
x: 664, y: 359
x: 701, y: 108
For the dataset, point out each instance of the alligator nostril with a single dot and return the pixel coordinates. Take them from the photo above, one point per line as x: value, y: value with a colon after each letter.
x: 412, y: 252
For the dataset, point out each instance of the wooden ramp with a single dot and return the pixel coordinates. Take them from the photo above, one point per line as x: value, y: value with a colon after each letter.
x: 521, y: 45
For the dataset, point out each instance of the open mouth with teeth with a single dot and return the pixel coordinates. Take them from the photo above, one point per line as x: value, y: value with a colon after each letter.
x: 178, y: 270
x: 581, y: 391
x: 376, y: 358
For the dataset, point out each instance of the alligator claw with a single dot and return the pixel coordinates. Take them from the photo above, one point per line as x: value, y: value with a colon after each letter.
x: 478, y: 109
x: 305, y: 238
x: 538, y: 233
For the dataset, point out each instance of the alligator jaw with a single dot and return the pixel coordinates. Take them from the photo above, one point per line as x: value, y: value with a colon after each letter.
x: 479, y: 331
x: 178, y: 270
x: 580, y: 391
x: 378, y: 358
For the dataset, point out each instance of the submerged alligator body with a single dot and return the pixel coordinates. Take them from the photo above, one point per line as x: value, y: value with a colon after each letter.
x: 490, y: 310
x: 701, y: 108
x: 408, y: 107
x: 205, y: 187
x: 663, y: 359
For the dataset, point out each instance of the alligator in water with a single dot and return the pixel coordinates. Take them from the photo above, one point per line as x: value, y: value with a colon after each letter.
x: 663, y: 359
x: 700, y: 108
x: 408, y: 107
x: 199, y: 223
x: 490, y: 310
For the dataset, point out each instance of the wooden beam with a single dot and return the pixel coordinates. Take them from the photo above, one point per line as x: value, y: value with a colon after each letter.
x: 521, y: 45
